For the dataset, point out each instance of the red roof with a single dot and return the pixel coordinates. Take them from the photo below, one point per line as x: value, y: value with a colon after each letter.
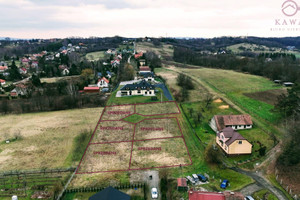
x: 107, y: 81
x: 91, y: 88
x: 198, y: 195
x: 145, y: 68
x: 228, y: 120
x: 2, y: 81
x: 181, y: 182
x: 138, y: 55
x: 3, y: 67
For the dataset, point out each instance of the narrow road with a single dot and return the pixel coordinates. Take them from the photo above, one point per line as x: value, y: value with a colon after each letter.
x: 165, y: 90
x: 261, y: 181
x: 153, y: 183
x: 251, y: 189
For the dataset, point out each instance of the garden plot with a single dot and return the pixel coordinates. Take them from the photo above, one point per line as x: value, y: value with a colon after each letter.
x: 113, y: 131
x: 117, y: 112
x: 162, y: 108
x: 157, y: 128
x: 106, y: 158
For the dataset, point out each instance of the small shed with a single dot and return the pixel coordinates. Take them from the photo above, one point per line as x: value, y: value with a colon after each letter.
x: 288, y: 84
x: 277, y: 81
x: 91, y: 89
x: 182, y: 184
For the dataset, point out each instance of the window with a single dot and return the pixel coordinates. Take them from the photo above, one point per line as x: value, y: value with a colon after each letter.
x: 240, y: 142
x: 139, y: 91
x: 225, y: 147
x: 222, y: 137
x: 149, y: 92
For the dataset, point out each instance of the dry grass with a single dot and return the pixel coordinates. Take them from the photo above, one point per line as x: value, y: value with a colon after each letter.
x: 111, y: 113
x: 106, y: 132
x: 166, y: 51
x: 196, y: 94
x: 157, y: 108
x: 173, y: 152
x: 269, y: 96
x: 96, y: 163
x: 47, y: 137
x: 169, y: 126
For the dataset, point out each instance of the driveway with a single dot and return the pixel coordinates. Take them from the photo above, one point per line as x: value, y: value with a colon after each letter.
x: 143, y: 176
x: 165, y: 90
x: 262, y: 182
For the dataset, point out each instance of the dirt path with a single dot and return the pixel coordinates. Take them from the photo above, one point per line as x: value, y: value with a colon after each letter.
x: 251, y: 189
x: 261, y: 181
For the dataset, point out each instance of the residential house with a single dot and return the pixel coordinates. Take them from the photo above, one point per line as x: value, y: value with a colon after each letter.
x: 138, y: 55
x: 145, y: 69
x: 2, y: 82
x: 142, y: 88
x: 3, y: 68
x: 237, y: 122
x: 227, y: 195
x: 182, y: 184
x: 115, y: 63
x: 148, y: 76
x: 20, y: 90
x: 110, y: 193
x: 288, y: 84
x: 142, y: 62
x: 91, y: 89
x: 103, y: 82
x: 64, y: 70
x: 233, y: 143
x: 23, y: 70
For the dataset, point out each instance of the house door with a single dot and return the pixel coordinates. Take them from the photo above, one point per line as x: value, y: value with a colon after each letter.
x: 130, y: 93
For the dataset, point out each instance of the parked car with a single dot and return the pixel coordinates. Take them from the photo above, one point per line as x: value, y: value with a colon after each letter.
x: 190, y: 179
x: 202, y: 178
x: 249, y: 198
x: 154, y: 193
x: 195, y: 177
x: 224, y: 184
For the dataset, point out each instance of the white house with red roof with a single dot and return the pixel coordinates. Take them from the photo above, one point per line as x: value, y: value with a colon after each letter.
x: 103, y: 82
x: 2, y: 82
x: 23, y: 70
x: 3, y: 68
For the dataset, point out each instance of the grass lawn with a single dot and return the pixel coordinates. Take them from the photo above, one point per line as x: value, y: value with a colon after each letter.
x: 196, y: 94
x: 134, y: 118
x: 47, y: 138
x: 264, y: 194
x: 97, y: 55
x: 234, y: 85
x: 113, y: 100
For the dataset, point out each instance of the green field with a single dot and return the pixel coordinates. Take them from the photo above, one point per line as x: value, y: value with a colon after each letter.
x: 97, y: 55
x: 242, y: 47
x: 234, y: 85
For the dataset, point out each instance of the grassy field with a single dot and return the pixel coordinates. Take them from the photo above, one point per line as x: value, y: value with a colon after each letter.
x: 97, y: 55
x: 157, y: 108
x: 196, y: 94
x: 56, y: 79
x: 45, y: 140
x: 234, y: 85
x: 164, y: 51
x: 239, y: 48
x: 264, y: 194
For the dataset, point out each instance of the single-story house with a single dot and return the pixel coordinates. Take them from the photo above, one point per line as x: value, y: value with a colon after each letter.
x: 20, y: 90
x: 103, y: 82
x: 237, y: 122
x: 23, y: 70
x: 233, y: 143
x: 3, y: 68
x: 142, y: 88
x: 288, y: 84
x: 145, y: 69
x: 227, y: 195
x: 110, y: 193
x: 65, y: 72
x: 91, y: 89
x: 2, y: 82
x: 277, y: 81
x: 182, y: 184
x: 148, y: 76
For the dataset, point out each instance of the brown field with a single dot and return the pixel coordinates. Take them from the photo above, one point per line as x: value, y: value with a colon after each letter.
x: 157, y: 108
x: 111, y: 113
x: 47, y: 138
x: 197, y: 94
x: 110, y: 131
x: 98, y: 163
x: 269, y: 96
x: 169, y: 126
x: 173, y: 152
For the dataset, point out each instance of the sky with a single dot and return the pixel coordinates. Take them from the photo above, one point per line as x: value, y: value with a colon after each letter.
x: 153, y: 18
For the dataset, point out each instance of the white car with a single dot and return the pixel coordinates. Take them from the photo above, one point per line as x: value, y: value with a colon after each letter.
x: 154, y: 193
x: 249, y: 198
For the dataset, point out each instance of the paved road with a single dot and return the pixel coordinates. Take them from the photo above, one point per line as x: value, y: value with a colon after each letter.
x: 261, y: 181
x: 153, y: 183
x: 250, y: 189
x: 165, y: 90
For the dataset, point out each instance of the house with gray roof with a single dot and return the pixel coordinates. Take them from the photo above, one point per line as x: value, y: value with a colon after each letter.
x: 142, y: 88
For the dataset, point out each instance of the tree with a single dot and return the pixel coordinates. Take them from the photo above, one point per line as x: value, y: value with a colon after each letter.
x: 14, y: 73
x: 184, y: 94
x: 87, y: 74
x: 208, y: 100
x: 289, y: 104
x: 35, y: 80
x: 128, y: 73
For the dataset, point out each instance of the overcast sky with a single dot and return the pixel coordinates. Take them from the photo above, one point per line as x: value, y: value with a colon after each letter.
x: 139, y: 18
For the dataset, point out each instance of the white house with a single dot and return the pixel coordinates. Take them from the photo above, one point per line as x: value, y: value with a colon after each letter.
x: 237, y: 122
x: 142, y: 88
x: 65, y: 72
x: 148, y: 76
x: 2, y: 82
x: 102, y: 83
